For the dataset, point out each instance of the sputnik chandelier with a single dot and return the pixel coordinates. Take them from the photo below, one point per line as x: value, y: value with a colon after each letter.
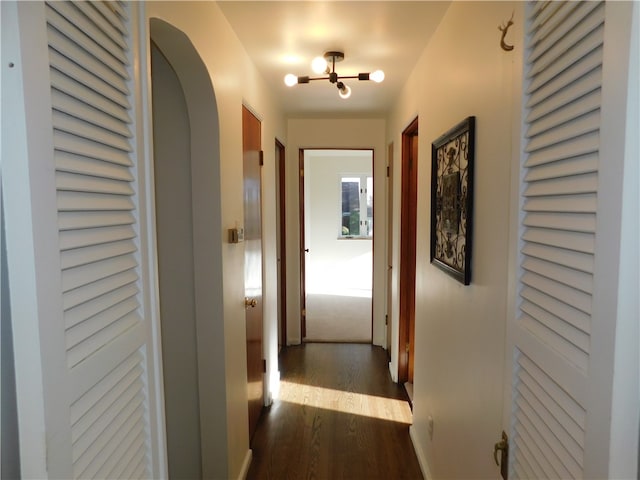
x: 327, y: 65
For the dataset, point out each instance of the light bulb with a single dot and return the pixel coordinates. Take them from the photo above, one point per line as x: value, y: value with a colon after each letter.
x: 290, y: 80
x: 319, y: 65
x: 377, y: 76
x: 344, y: 91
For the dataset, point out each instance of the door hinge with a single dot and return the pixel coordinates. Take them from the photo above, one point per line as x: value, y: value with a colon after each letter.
x: 388, y: 171
x: 261, y: 158
x: 386, y: 320
x: 406, y: 347
x: 304, y: 312
x: 264, y: 366
x: 503, y: 447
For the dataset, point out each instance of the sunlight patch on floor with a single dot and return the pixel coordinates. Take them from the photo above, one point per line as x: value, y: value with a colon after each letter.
x: 382, y: 408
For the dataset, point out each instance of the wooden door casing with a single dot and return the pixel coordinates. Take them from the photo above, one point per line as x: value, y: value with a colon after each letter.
x: 252, y: 159
x: 409, y: 187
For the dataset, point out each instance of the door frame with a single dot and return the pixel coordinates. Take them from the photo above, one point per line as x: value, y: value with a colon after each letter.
x: 389, y: 252
x: 407, y: 290
x: 303, y: 250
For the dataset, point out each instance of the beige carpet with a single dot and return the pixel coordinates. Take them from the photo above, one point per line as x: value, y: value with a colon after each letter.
x: 335, y: 318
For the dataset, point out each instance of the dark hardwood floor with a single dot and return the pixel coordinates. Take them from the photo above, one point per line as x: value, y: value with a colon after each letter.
x: 338, y: 416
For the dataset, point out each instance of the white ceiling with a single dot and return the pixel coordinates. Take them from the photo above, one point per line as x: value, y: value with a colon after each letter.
x: 283, y: 37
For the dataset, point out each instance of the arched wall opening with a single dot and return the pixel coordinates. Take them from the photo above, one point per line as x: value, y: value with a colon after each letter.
x: 189, y: 239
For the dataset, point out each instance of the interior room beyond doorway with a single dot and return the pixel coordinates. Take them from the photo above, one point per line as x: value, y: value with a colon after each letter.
x: 338, y: 241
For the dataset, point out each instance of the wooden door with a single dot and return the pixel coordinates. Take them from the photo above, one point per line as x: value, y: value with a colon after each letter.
x: 408, y: 251
x: 252, y: 159
x: 282, y: 245
x: 303, y: 249
x: 389, y: 246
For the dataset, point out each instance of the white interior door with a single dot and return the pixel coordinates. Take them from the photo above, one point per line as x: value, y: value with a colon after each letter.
x: 561, y: 346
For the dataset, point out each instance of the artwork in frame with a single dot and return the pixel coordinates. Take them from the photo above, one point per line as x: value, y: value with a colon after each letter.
x: 452, y: 159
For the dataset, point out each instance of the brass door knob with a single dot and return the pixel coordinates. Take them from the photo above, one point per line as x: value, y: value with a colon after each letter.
x: 250, y: 302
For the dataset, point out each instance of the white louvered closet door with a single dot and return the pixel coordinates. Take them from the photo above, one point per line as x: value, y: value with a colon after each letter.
x: 90, y: 68
x: 553, y: 326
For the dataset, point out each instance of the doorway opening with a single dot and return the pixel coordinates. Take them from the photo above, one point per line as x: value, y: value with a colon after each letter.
x: 337, y: 245
x: 409, y: 190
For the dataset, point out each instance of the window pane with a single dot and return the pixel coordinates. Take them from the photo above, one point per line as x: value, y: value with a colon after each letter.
x: 369, y: 218
x: 350, y: 206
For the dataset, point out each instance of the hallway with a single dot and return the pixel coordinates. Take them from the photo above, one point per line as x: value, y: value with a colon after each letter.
x: 338, y: 415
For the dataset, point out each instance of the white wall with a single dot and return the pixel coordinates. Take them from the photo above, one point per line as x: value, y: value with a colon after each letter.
x: 235, y: 81
x: 334, y: 264
x: 460, y: 331
x: 334, y: 133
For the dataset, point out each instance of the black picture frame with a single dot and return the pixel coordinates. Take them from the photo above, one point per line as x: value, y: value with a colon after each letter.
x: 452, y: 166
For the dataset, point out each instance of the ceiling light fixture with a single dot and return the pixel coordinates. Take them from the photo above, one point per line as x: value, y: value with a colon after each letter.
x: 327, y: 65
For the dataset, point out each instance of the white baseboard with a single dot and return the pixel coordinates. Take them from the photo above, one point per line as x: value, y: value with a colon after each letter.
x: 245, y: 465
x: 419, y: 449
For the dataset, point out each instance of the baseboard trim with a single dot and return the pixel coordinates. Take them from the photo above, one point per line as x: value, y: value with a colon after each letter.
x: 419, y: 449
x: 245, y: 465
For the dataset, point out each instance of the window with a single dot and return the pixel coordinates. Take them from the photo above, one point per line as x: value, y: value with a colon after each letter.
x: 357, y: 206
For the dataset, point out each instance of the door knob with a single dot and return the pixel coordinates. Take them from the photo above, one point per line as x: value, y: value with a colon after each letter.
x: 250, y: 302
x: 306, y: 250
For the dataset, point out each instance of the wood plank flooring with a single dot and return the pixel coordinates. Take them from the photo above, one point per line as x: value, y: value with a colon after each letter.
x: 338, y: 416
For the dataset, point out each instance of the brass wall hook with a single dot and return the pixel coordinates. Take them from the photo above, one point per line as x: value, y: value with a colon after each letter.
x: 504, y: 29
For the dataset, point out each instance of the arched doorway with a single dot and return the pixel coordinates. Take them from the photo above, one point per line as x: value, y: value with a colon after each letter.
x: 189, y: 268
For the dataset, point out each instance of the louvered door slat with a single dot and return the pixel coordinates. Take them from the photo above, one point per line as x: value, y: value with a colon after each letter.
x: 86, y: 310
x: 529, y: 387
x: 114, y: 13
x: 582, y: 145
x: 572, y: 316
x: 561, y: 221
x: 539, y: 451
x: 569, y: 258
x: 563, y: 293
x: 572, y: 112
x: 90, y: 11
x: 543, y: 39
x: 575, y: 184
x: 87, y: 274
x: 580, y: 126
x: 577, y: 43
x: 68, y: 77
x: 91, y: 326
x: 562, y: 203
x: 72, y: 144
x: 579, y: 280
x: 81, y: 408
x: 565, y: 168
x: 104, y: 417
x: 87, y: 113
x: 81, y: 201
x: 127, y: 383
x: 73, y: 14
x: 87, y: 131
x: 549, y: 418
x: 68, y: 162
x: 576, y: 241
x: 125, y: 451
x: 94, y: 290
x: 587, y: 65
x: 72, y: 42
x: 565, y: 96
x: 81, y: 220
x: 73, y: 239
x: 73, y: 182
x: 84, y: 256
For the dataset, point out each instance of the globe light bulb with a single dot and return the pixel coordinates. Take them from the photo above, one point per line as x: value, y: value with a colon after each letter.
x: 319, y: 65
x: 290, y: 80
x: 377, y: 76
x: 344, y: 91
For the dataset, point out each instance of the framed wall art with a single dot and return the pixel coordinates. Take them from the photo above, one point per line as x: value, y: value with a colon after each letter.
x: 452, y: 159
